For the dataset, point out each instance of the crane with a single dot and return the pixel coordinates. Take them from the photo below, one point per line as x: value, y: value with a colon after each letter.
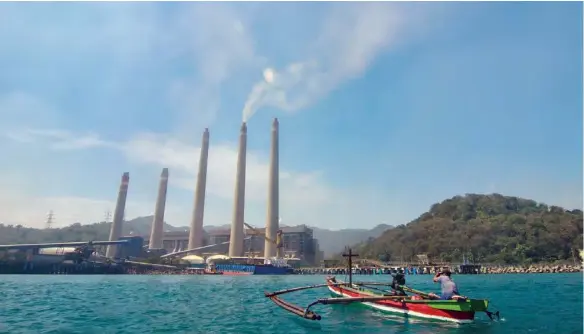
x: 278, y: 242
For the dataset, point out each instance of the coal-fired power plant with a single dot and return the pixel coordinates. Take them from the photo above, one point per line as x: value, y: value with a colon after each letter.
x: 272, y: 219
x: 196, y: 231
x: 236, y: 237
x: 116, y: 229
x: 158, y: 221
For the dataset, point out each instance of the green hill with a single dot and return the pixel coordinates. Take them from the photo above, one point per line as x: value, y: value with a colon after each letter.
x: 330, y: 242
x: 486, y: 228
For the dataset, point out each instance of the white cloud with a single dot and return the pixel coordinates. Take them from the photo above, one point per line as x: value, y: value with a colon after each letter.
x: 32, y: 211
x: 217, y: 43
x: 182, y: 159
x: 305, y: 197
x: 17, y: 107
x: 210, y: 39
x: 57, y: 139
x: 215, y: 35
x: 215, y: 38
x: 351, y: 38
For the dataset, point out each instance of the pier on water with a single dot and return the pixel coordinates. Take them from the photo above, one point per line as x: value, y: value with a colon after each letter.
x: 64, y: 268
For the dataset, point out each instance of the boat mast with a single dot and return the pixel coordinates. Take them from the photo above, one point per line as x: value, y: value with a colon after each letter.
x: 349, y: 254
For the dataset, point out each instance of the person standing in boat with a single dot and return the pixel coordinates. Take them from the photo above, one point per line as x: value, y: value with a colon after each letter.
x: 449, y: 288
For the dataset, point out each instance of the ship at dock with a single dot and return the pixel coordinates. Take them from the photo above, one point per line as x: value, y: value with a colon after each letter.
x: 270, y: 267
x: 240, y: 265
x: 276, y: 265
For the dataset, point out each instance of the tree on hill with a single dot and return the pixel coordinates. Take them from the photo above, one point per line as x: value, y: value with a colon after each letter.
x: 16, y: 234
x: 484, y: 228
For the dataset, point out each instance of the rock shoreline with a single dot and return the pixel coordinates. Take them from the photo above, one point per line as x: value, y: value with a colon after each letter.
x: 545, y: 269
x: 426, y: 270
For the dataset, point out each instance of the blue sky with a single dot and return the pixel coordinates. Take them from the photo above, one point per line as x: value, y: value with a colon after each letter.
x: 384, y: 108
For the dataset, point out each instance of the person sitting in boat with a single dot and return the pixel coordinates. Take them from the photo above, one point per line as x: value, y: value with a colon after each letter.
x: 398, y: 280
x: 449, y: 288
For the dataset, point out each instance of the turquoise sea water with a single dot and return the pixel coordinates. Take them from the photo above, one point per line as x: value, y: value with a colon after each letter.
x: 537, y: 303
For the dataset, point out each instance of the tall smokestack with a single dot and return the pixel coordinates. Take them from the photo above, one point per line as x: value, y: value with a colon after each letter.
x: 236, y: 238
x: 196, y: 232
x: 116, y: 229
x: 158, y: 221
x: 272, y: 223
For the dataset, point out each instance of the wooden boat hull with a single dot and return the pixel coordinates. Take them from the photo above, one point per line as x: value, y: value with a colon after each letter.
x: 451, y: 311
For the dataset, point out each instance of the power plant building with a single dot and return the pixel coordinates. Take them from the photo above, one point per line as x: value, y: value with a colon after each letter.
x: 298, y: 242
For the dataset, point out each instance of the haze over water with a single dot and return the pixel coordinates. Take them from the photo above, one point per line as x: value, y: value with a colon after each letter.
x: 537, y: 303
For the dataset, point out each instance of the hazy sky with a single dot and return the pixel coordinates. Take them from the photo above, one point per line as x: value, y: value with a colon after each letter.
x: 384, y: 108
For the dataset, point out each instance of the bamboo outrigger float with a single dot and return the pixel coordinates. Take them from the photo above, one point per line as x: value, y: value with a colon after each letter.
x: 392, y: 299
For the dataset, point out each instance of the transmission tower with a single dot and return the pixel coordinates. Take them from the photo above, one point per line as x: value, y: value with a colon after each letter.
x: 50, y: 218
x: 108, y: 215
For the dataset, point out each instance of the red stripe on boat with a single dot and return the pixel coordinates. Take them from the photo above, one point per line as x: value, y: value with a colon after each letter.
x: 400, y: 306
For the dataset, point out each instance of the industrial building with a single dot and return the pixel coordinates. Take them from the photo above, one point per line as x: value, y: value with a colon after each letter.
x: 298, y: 241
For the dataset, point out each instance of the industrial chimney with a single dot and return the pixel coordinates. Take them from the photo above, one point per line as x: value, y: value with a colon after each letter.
x: 196, y: 232
x: 158, y: 221
x: 116, y: 229
x: 273, y: 195
x: 236, y: 238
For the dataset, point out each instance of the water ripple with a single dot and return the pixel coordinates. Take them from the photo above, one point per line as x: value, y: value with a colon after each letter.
x: 217, y: 304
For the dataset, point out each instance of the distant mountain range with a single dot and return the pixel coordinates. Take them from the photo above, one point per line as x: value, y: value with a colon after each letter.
x: 331, y: 242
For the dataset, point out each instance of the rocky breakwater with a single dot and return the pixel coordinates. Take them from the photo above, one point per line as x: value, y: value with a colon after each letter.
x: 534, y: 269
x: 431, y: 270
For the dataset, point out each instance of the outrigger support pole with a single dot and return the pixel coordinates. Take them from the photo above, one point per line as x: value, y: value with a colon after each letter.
x: 276, y: 293
x: 417, y: 292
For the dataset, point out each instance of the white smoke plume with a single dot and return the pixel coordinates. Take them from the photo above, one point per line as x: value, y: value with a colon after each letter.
x: 350, y: 39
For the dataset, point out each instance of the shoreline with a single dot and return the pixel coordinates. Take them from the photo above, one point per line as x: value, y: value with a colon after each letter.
x: 432, y: 270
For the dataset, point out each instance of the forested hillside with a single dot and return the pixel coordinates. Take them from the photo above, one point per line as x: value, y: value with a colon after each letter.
x: 486, y: 228
x: 14, y: 234
x: 330, y: 242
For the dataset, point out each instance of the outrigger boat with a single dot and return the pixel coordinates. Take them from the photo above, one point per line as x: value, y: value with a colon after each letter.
x: 392, y: 299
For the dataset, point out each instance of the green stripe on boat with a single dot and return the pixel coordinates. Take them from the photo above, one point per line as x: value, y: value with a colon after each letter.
x: 476, y: 305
